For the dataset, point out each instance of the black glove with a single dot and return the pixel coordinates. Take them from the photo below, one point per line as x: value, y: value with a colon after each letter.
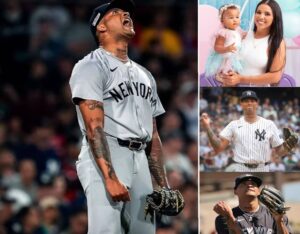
x: 273, y: 200
x: 164, y: 202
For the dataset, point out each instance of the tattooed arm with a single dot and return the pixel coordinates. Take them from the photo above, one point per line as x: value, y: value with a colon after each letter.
x: 219, y: 144
x: 155, y: 159
x: 93, y: 116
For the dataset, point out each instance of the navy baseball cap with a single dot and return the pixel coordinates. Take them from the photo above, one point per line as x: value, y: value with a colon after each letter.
x: 100, y: 11
x: 249, y: 94
x: 247, y: 177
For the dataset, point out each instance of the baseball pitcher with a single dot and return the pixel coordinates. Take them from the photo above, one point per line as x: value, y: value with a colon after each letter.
x: 253, y: 214
x: 116, y: 102
x: 252, y: 137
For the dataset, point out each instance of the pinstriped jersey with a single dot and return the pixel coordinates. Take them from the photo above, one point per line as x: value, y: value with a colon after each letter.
x: 127, y: 90
x: 252, y: 142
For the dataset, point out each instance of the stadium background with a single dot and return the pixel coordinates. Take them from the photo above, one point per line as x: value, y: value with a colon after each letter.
x: 40, y: 41
x: 220, y: 187
x: 222, y: 105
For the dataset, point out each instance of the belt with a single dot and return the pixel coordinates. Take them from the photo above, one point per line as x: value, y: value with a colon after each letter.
x: 253, y: 165
x: 133, y: 144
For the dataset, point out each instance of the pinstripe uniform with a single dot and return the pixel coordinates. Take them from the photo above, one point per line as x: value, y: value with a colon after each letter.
x: 251, y: 143
x: 129, y: 96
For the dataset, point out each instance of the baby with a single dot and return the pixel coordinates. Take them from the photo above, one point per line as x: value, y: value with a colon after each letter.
x: 227, y: 43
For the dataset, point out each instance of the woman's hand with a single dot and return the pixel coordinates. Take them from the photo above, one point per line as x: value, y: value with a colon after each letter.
x: 231, y: 79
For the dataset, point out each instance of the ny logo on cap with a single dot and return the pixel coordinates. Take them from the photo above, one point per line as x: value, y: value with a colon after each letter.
x: 96, y: 19
x: 249, y: 93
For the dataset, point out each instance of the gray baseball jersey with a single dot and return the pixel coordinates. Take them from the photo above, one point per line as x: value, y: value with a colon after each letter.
x: 128, y: 92
x: 258, y: 222
x: 252, y: 142
x: 129, y: 96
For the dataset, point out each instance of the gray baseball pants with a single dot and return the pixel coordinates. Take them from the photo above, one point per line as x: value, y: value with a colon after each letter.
x: 104, y: 215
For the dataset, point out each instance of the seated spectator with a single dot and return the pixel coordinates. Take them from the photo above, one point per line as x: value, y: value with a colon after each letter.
x: 27, y: 222
x: 78, y: 223
x: 169, y: 40
x: 290, y: 162
x: 50, y: 214
x: 27, y: 178
x: 8, y: 166
x: 277, y: 165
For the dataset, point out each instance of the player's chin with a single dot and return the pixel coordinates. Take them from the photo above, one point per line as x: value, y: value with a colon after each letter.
x: 129, y: 31
x: 249, y: 110
x: 132, y: 33
x: 129, y: 34
x: 251, y: 193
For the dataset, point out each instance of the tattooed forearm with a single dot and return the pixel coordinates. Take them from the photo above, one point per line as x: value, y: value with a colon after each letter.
x: 92, y: 105
x: 157, y: 170
x: 100, y: 149
x: 155, y: 159
x: 213, y: 139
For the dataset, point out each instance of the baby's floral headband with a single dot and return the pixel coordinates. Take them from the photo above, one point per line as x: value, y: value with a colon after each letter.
x: 225, y: 7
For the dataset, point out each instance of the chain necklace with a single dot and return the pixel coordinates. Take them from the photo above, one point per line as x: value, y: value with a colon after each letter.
x: 256, y: 42
x: 249, y: 214
x: 111, y: 54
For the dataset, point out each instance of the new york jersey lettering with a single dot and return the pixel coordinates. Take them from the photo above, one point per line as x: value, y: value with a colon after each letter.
x: 127, y: 88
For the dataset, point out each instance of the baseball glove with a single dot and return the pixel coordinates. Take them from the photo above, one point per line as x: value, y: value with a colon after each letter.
x: 164, y: 201
x: 273, y: 200
x: 290, y: 139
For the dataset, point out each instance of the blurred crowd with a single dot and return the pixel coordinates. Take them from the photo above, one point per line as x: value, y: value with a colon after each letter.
x: 40, y: 139
x: 223, y: 106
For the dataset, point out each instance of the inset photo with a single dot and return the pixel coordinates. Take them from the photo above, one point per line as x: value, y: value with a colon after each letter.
x: 249, y: 130
x: 249, y: 203
x: 249, y: 43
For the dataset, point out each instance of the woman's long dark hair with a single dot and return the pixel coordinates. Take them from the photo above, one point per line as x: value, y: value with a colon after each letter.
x: 276, y: 30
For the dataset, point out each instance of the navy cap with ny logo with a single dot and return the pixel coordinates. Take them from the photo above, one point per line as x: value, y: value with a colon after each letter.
x: 100, y: 11
x: 249, y: 94
x: 247, y: 177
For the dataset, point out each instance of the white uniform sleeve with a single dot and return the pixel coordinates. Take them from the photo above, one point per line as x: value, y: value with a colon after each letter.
x: 87, y: 81
x: 157, y: 107
x: 275, y: 139
x: 227, y: 132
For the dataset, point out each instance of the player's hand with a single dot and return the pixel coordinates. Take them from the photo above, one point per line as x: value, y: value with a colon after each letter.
x: 222, y: 208
x: 205, y: 121
x: 117, y: 190
x: 231, y: 79
x: 277, y: 217
x: 231, y: 48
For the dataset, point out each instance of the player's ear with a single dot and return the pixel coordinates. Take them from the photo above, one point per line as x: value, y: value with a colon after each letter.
x: 234, y: 192
x: 101, y: 27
